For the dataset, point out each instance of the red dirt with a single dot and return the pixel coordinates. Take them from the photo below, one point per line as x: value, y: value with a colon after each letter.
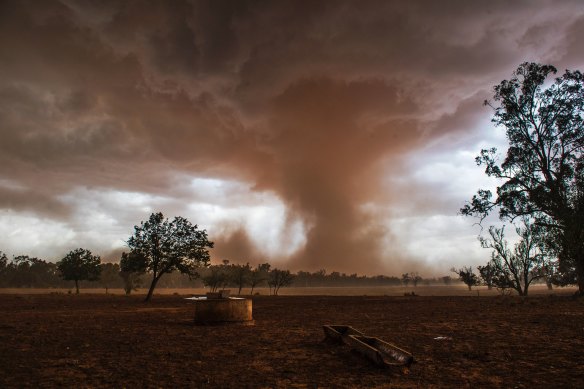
x: 118, y: 341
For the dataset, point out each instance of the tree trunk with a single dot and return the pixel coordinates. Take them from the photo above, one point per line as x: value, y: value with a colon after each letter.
x: 580, y: 273
x: 549, y: 284
x: 522, y: 292
x: 152, y: 286
x: 76, y: 287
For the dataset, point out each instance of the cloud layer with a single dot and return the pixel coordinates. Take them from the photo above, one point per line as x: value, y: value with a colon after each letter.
x: 307, y: 133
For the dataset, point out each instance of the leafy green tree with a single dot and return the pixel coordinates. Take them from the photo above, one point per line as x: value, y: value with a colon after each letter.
x: 543, y: 170
x: 527, y: 262
x: 162, y: 246
x: 79, y: 265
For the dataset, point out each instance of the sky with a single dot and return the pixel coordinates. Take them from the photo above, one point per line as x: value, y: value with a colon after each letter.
x: 337, y: 135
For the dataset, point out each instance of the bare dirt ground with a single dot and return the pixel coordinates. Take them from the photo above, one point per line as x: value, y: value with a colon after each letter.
x: 90, y: 340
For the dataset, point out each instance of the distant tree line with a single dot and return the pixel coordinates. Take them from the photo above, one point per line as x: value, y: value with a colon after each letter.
x: 31, y: 272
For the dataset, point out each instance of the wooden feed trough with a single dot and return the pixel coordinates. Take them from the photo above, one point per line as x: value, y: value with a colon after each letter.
x: 376, y: 350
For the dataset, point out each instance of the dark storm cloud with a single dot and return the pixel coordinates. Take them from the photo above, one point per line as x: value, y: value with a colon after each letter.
x: 315, y: 101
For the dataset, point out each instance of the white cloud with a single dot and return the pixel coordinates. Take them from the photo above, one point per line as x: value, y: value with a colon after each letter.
x: 22, y: 234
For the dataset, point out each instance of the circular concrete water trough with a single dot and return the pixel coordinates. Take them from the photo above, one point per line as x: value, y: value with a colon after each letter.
x: 222, y: 310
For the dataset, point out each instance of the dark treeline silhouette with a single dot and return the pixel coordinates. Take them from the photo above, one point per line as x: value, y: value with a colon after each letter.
x: 30, y: 272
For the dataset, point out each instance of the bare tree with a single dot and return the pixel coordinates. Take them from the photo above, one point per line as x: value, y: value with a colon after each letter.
x: 279, y: 278
x: 527, y: 262
x: 416, y: 278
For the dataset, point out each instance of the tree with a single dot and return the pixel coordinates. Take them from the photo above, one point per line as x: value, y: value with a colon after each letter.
x: 259, y: 275
x: 240, y: 275
x: 279, y: 278
x: 32, y: 272
x: 466, y: 275
x: 109, y: 275
x: 487, y: 274
x: 416, y: 278
x: 161, y: 246
x: 79, y: 265
x: 517, y: 269
x: 543, y: 170
x: 216, y: 276
x: 3, y: 261
x: 132, y: 267
x: 406, y: 278
x: 3, y: 268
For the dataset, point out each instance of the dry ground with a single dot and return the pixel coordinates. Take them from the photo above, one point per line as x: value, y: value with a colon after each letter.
x: 61, y: 340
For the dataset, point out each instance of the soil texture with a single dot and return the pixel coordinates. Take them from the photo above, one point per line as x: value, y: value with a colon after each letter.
x: 61, y: 340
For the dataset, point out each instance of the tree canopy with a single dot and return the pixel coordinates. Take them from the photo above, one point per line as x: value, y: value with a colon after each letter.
x: 79, y: 265
x: 160, y: 246
x: 543, y: 170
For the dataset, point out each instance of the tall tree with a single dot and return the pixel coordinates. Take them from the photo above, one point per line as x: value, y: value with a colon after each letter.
x: 163, y: 246
x: 79, y: 265
x: 543, y: 170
